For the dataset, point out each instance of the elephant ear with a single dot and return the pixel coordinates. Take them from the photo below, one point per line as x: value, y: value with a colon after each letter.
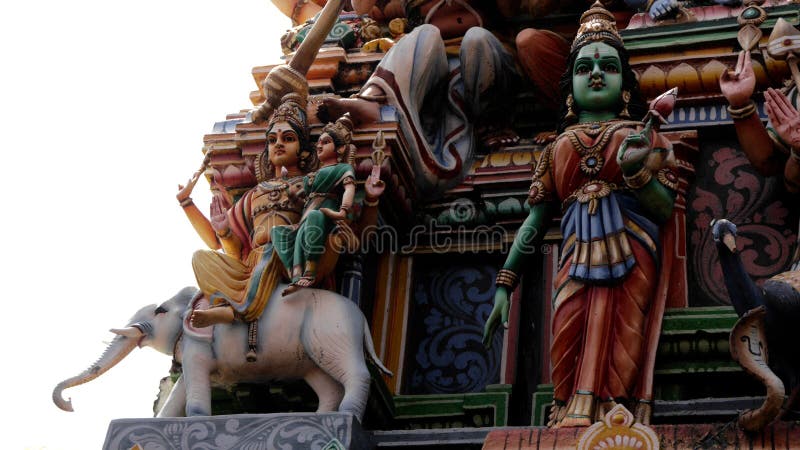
x: 748, y: 344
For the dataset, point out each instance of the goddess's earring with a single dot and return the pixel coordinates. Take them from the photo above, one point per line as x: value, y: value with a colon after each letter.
x: 626, y: 98
x: 570, y: 112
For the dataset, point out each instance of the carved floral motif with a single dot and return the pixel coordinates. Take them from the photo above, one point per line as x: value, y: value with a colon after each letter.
x: 452, y: 303
x: 618, y: 431
x: 311, y: 431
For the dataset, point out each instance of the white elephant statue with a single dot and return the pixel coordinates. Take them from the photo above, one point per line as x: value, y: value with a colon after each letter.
x: 312, y: 334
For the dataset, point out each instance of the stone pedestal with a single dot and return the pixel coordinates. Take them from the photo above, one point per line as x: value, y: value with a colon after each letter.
x: 328, y: 431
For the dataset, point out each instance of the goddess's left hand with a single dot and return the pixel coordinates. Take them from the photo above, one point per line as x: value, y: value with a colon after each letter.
x: 634, y: 150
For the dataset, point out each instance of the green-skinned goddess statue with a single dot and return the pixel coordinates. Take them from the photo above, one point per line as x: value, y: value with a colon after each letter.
x: 608, y: 172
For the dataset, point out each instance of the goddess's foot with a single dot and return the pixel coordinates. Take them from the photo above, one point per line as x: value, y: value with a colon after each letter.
x: 202, y: 318
x: 304, y: 281
x: 362, y: 111
x: 574, y: 422
x: 495, y: 138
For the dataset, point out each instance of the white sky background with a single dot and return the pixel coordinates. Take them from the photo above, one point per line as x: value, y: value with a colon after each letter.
x: 103, y: 108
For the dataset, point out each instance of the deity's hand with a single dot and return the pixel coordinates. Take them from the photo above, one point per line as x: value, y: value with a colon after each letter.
x: 783, y: 116
x: 661, y: 9
x: 738, y: 85
x: 634, y: 150
x: 184, y: 192
x: 334, y: 215
x: 219, y: 213
x: 499, y: 314
x: 374, y: 186
x: 545, y: 137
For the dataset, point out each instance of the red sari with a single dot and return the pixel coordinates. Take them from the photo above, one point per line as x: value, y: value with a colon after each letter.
x: 608, y: 278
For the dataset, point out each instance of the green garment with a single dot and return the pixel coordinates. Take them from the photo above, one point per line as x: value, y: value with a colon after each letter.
x: 296, y: 244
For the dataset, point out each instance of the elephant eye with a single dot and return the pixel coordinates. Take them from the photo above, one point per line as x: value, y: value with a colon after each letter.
x: 161, y: 310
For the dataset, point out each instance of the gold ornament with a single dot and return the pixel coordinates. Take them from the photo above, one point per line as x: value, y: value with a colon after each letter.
x: 570, y: 112
x: 626, y: 98
x: 597, y: 24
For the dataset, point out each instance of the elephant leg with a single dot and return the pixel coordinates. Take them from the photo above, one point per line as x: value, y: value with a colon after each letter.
x: 176, y: 401
x: 356, y: 380
x: 328, y: 390
x: 197, y: 365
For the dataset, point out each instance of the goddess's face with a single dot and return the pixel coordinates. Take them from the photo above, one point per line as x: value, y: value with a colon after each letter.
x: 597, y: 78
x: 326, y: 148
x: 283, y: 145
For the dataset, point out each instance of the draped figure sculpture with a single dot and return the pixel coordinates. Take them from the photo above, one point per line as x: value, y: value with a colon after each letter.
x: 329, y: 192
x: 445, y: 79
x: 239, y: 281
x: 609, y: 173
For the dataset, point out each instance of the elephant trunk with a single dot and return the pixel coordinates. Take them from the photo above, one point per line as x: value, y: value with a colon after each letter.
x: 114, y: 353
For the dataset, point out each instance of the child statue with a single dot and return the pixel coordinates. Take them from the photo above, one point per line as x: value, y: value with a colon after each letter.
x: 606, y: 171
x: 329, y: 199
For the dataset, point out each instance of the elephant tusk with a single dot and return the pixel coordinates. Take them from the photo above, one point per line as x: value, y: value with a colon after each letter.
x: 129, y: 332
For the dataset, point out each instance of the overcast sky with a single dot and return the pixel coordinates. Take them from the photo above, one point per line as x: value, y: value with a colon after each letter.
x: 103, y: 108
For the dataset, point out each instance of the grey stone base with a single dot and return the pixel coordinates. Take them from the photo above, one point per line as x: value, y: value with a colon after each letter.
x: 328, y: 431
x: 444, y: 439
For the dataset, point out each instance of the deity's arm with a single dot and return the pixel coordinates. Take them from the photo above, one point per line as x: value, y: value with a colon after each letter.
x: 363, y: 6
x: 757, y: 145
x: 791, y: 175
x: 657, y: 199
x: 636, y: 154
x: 202, y: 226
x: 349, y: 195
x: 199, y: 222
x: 737, y: 86
x: 529, y: 236
x: 540, y: 198
x: 373, y: 189
x: 230, y: 242
x: 216, y: 239
x: 347, y: 201
x: 368, y: 217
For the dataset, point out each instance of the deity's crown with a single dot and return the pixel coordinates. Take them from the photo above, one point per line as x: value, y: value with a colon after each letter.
x: 342, y: 128
x: 597, y: 24
x: 292, y: 110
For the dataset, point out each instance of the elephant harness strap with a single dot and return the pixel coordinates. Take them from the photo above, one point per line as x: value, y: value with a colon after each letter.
x: 252, y: 340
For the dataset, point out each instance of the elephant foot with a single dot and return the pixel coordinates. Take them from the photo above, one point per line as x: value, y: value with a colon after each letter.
x: 202, y: 318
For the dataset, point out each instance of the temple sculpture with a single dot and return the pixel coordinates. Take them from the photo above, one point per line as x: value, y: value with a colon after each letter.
x: 507, y: 224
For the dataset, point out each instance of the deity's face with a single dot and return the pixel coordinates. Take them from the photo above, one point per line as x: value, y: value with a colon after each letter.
x: 326, y: 149
x: 597, y: 78
x: 283, y: 145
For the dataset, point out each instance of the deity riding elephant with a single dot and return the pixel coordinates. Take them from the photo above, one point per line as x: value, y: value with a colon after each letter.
x: 315, y: 335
